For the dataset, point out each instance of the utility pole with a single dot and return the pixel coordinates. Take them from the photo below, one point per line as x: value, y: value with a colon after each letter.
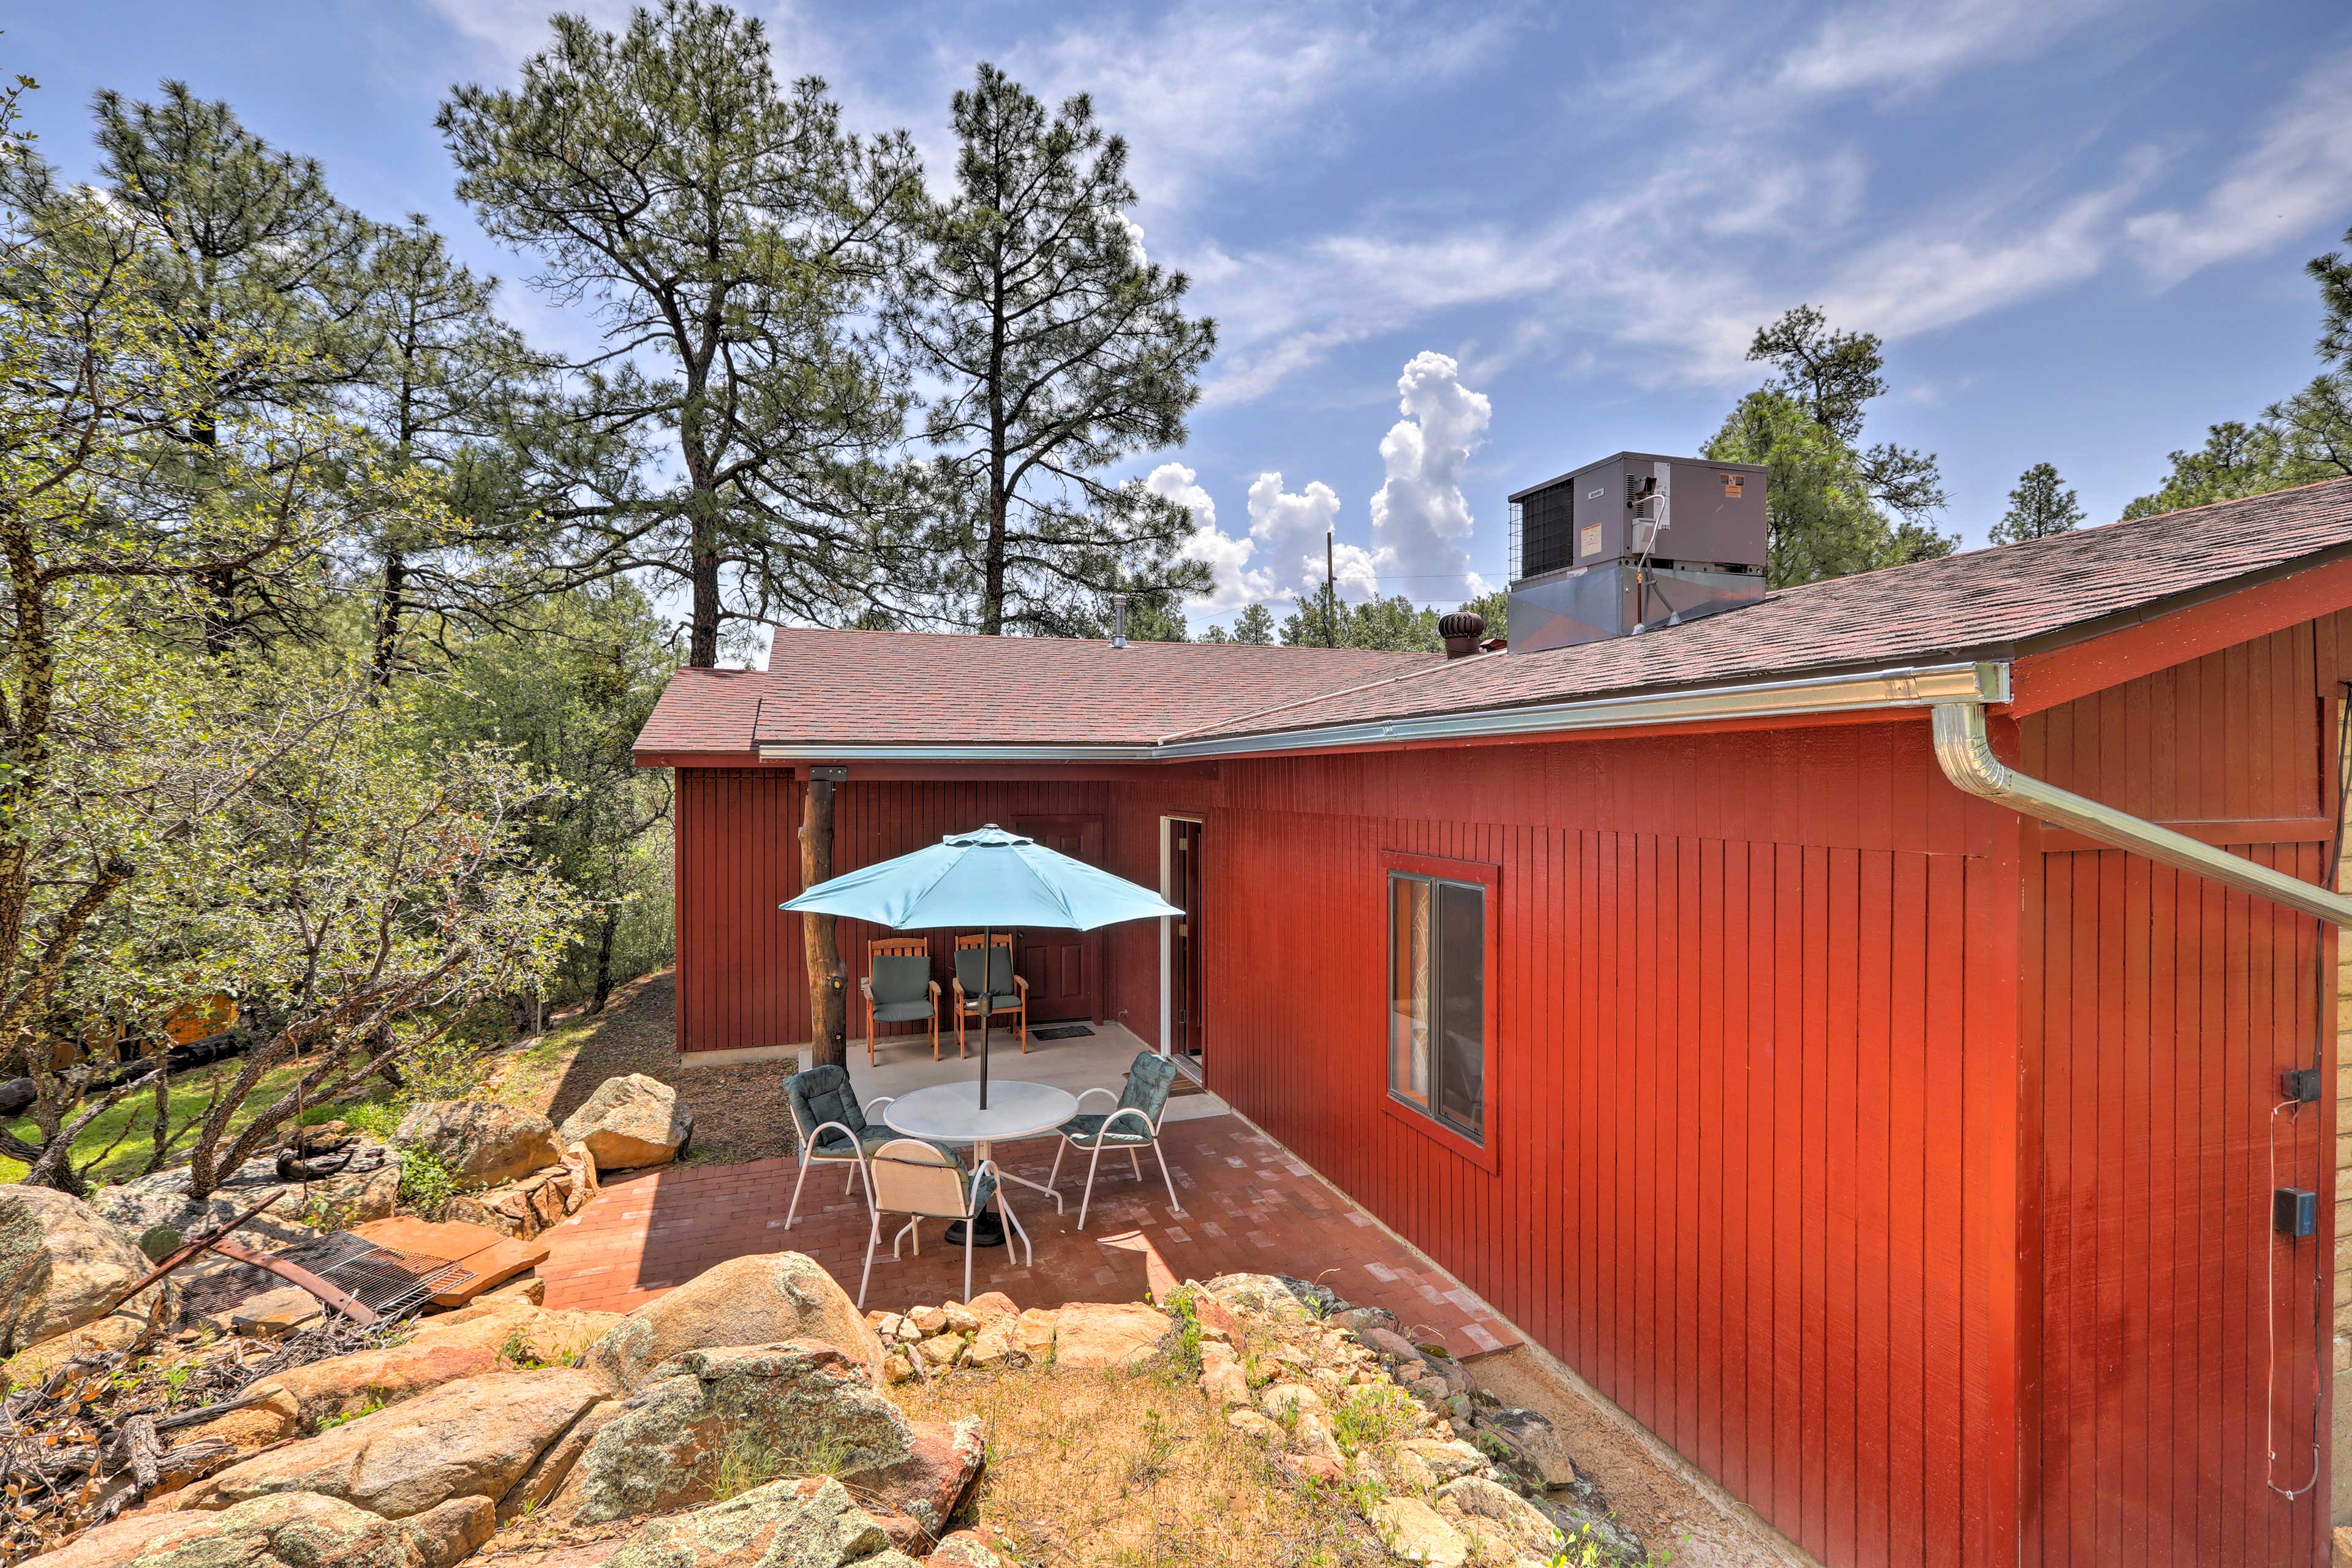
x: 1330, y: 593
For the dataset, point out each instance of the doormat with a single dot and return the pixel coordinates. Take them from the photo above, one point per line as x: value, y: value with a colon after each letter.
x: 1061, y: 1032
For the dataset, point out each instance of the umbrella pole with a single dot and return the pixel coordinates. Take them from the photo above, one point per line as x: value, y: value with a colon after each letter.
x: 987, y: 1003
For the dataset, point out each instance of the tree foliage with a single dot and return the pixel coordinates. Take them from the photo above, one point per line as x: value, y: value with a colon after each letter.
x: 1835, y: 507
x: 1058, y: 349
x: 2039, y: 507
x: 729, y: 233
x: 1253, y: 625
x: 1395, y: 624
x: 2299, y: 440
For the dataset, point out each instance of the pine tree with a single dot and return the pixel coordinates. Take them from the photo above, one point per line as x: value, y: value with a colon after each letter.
x: 439, y: 379
x: 2039, y: 507
x: 1835, y: 507
x: 731, y: 231
x: 235, y: 242
x: 1059, y: 349
x: 1253, y: 625
x: 2299, y: 440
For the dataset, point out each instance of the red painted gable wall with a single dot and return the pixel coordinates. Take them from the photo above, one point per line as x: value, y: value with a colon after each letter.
x: 1849, y: 1135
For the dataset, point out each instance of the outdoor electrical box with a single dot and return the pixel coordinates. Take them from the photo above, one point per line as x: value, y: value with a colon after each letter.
x: 2299, y: 1086
x: 1633, y: 542
x: 2295, y: 1212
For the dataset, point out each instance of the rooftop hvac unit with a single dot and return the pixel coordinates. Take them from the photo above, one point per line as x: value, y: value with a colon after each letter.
x: 1633, y: 542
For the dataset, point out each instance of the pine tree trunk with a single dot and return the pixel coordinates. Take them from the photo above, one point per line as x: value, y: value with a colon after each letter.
x: 828, y: 1006
x: 389, y: 615
x: 603, y: 963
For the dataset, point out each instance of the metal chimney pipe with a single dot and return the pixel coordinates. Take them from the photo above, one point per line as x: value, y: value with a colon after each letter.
x: 1118, y: 621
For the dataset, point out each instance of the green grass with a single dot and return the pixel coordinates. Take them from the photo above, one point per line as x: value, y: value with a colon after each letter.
x: 127, y: 1126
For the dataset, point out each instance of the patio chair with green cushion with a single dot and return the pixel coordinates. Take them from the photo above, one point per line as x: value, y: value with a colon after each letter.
x: 923, y: 1181
x: 833, y: 1126
x: 1133, y: 1124
x: 1005, y: 991
x: 898, y: 987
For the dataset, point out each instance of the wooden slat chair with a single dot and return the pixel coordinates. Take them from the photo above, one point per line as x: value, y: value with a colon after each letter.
x: 833, y: 1126
x: 923, y: 1181
x: 1006, y: 991
x: 1133, y: 1124
x: 898, y: 988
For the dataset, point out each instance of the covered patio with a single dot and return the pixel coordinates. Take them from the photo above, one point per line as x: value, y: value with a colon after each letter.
x: 1250, y: 1205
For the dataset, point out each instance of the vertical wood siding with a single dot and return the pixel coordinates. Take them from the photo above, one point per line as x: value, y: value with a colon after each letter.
x: 2177, y: 1330
x: 1910, y: 1179
x: 741, y: 975
x: 1756, y: 991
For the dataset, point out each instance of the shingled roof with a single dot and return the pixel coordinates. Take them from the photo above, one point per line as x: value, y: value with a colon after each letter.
x: 883, y: 688
x: 827, y: 688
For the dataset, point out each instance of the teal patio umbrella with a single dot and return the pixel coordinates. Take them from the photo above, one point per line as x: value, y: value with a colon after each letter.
x: 990, y: 878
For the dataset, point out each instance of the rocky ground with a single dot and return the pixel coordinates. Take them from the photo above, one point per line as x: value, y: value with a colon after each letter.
x: 753, y: 1418
x: 739, y: 1111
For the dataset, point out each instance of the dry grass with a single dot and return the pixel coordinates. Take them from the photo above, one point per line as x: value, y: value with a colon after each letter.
x: 1133, y: 1469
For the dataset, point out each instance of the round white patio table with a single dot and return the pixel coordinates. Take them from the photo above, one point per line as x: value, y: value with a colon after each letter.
x: 950, y: 1113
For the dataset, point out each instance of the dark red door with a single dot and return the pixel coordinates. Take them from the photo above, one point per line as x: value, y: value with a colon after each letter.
x: 1064, y: 968
x: 1185, y: 943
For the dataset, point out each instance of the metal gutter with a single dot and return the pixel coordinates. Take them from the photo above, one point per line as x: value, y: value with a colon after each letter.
x: 1965, y: 752
x: 1906, y: 687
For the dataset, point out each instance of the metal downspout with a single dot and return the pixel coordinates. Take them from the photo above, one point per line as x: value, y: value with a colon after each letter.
x: 1965, y: 752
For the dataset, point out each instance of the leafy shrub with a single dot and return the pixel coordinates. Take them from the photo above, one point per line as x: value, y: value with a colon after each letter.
x: 426, y: 1184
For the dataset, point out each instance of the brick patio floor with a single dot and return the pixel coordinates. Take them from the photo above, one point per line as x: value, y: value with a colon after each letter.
x: 1249, y: 1207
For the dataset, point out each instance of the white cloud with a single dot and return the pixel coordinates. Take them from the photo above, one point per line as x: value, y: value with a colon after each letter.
x: 1233, y: 583
x: 1902, y: 47
x: 2298, y: 174
x: 1207, y: 91
x: 1420, y: 519
x: 1289, y: 531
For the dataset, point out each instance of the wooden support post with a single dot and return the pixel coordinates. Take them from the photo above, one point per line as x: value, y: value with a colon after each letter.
x: 828, y: 978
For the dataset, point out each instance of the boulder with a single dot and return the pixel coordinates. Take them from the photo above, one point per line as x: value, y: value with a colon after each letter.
x: 1520, y: 1521
x: 798, y: 1524
x: 990, y: 1306
x: 344, y: 1386
x: 579, y: 1166
x: 1536, y: 1443
x: 1033, y: 1332
x: 1414, y: 1532
x: 114, y: 1332
x: 1289, y: 1401
x: 62, y: 1264
x: 481, y: 1141
x: 1275, y: 1295
x: 1094, y: 1335
x: 1302, y: 1469
x: 301, y: 1529
x: 799, y: 1402
x: 470, y: 1438
x: 630, y: 1122
x: 553, y: 1466
x: 255, y: 1428
x: 978, y: 1548
x: 763, y: 1298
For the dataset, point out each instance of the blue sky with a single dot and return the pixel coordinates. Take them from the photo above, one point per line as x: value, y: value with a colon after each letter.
x: 1548, y: 231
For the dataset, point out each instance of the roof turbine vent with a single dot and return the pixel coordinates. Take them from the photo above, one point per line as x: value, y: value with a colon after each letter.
x: 1461, y: 630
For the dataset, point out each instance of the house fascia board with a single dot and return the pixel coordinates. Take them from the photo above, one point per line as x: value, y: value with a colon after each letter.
x: 1895, y: 689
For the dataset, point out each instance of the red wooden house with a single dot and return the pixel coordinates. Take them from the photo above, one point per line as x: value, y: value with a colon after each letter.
x: 1847, y: 1029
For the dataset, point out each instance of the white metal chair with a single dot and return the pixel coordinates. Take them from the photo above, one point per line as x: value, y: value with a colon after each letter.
x: 834, y: 1127
x: 923, y: 1181
x: 1133, y: 1124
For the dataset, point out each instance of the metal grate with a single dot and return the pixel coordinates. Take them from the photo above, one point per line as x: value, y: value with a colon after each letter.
x: 392, y: 1282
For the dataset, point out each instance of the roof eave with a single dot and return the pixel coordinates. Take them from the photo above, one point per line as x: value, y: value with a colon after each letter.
x: 1893, y: 687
